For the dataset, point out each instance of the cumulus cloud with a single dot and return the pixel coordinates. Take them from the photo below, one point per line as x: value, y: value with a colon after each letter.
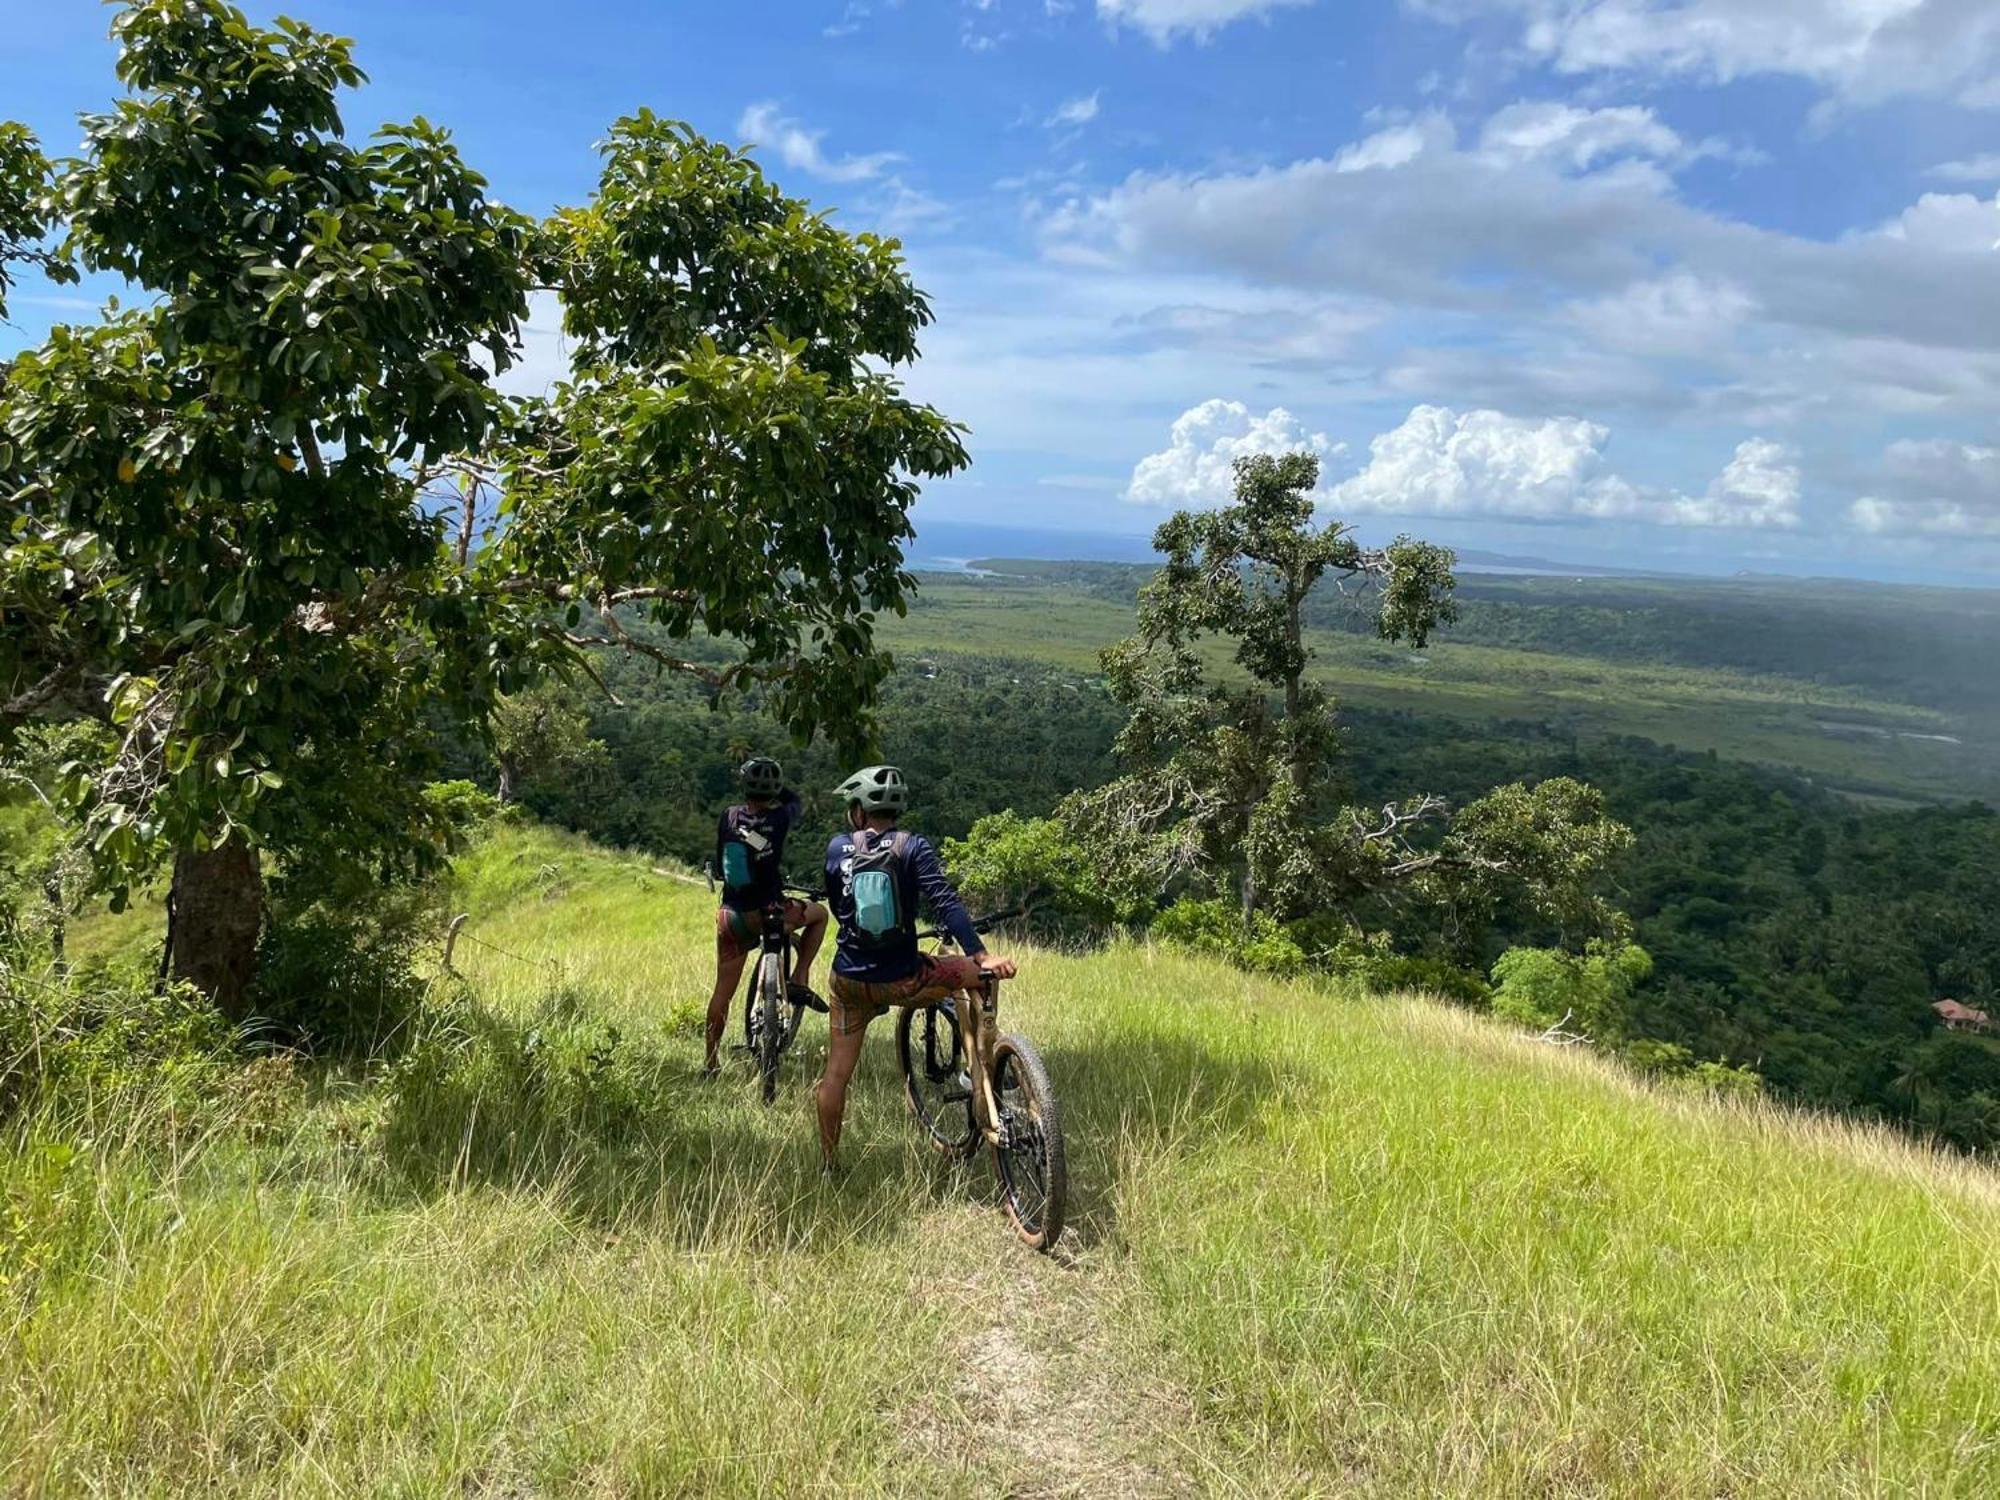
x: 1863, y: 51
x: 796, y: 146
x: 1195, y: 468
x: 1933, y: 487
x: 1954, y: 222
x: 1440, y: 462
x: 1163, y: 20
x: 1072, y: 113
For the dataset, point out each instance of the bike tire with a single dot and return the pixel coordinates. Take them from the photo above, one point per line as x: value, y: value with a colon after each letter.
x: 931, y: 1048
x: 771, y: 1003
x: 1029, y: 1159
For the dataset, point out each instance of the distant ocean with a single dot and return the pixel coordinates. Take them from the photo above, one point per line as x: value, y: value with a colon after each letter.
x: 947, y: 546
x: 951, y: 546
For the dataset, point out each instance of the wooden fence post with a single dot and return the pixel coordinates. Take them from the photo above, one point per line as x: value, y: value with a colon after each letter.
x: 451, y: 939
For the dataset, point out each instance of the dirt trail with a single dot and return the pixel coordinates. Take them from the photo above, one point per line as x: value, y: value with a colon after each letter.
x: 1041, y: 1392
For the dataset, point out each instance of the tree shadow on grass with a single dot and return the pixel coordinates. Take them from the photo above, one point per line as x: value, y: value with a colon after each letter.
x: 621, y: 1130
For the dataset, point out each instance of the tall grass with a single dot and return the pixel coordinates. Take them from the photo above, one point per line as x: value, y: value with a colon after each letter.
x: 1321, y: 1245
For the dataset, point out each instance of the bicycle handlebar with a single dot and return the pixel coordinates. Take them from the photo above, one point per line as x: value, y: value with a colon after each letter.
x: 979, y: 924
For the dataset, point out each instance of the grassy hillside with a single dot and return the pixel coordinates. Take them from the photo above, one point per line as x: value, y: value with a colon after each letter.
x: 1322, y: 1245
x: 1867, y: 738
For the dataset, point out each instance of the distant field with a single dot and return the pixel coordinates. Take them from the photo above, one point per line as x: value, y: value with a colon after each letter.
x: 1863, y: 739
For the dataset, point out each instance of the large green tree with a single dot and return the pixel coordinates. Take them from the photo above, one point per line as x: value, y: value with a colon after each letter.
x: 277, y: 522
x: 24, y: 175
x: 1232, y: 779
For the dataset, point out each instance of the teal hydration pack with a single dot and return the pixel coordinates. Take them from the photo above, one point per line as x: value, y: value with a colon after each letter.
x: 744, y: 850
x: 875, y: 881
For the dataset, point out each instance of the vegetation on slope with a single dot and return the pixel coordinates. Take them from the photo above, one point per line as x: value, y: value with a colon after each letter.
x: 1322, y: 1243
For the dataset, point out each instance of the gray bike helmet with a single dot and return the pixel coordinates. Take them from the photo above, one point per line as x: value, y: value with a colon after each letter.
x: 761, y: 777
x: 876, y: 789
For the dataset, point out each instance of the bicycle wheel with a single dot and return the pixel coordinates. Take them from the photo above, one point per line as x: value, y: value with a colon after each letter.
x: 1028, y: 1159
x: 932, y: 1051
x: 771, y: 1006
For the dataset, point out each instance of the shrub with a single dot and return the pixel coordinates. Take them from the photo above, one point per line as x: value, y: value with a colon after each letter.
x: 1543, y: 987
x: 499, y: 1097
x: 1671, y: 1063
x: 1008, y: 861
x: 70, y: 1041
x: 1218, y: 927
x: 1369, y: 959
x: 461, y: 804
x: 337, y: 967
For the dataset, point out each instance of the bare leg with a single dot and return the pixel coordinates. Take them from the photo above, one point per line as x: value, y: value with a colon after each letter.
x: 728, y: 970
x: 811, y: 935
x: 843, y: 1051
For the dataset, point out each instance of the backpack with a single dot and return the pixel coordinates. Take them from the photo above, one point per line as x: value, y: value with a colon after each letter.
x: 747, y: 850
x: 875, y: 881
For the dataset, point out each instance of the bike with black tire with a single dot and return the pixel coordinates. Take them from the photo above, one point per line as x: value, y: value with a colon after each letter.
x: 968, y: 1083
x: 771, y: 1016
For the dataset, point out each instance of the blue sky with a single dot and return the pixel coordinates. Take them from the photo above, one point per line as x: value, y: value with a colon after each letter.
x: 1698, y: 284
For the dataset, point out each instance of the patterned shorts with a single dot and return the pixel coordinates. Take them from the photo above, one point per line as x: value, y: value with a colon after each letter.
x: 856, y: 1002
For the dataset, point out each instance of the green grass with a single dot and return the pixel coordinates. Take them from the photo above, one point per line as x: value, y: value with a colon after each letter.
x: 1321, y: 1245
x: 1768, y: 718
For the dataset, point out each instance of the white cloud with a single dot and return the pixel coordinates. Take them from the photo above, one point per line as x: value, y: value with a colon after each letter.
x: 1397, y: 146
x: 1163, y: 20
x: 1566, y: 135
x: 1680, y: 313
x: 1970, y: 169
x: 849, y: 22
x: 1538, y: 267
x: 1759, y: 486
x: 1953, y: 222
x: 1072, y: 113
x: 1440, y: 462
x: 1933, y: 487
x: 796, y: 146
x: 901, y: 209
x: 1864, y: 51
x: 1196, y: 467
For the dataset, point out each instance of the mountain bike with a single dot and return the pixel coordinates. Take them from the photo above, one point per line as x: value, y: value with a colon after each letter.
x: 969, y: 1083
x: 770, y: 1015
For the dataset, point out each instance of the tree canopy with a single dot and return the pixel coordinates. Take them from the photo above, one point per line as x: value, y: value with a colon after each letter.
x: 1232, y: 781
x: 277, y: 522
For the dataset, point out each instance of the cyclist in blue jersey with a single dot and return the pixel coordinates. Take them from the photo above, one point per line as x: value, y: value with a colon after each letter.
x: 877, y: 878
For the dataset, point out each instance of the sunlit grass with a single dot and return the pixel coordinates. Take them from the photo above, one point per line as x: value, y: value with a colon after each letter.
x: 1321, y: 1244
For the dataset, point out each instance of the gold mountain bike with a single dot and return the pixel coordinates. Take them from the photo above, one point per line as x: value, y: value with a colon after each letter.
x: 969, y: 1083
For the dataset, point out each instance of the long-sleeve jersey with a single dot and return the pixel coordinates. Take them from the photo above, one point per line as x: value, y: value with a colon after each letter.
x: 921, y: 884
x: 767, y: 872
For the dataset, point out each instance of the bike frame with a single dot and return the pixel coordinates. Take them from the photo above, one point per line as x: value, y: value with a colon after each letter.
x: 978, y: 1012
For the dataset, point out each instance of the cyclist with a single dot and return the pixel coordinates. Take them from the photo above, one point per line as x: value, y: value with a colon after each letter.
x: 876, y: 876
x: 749, y: 860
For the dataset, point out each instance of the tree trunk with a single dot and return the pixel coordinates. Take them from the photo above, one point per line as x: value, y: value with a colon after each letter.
x: 505, y: 791
x: 216, y: 915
